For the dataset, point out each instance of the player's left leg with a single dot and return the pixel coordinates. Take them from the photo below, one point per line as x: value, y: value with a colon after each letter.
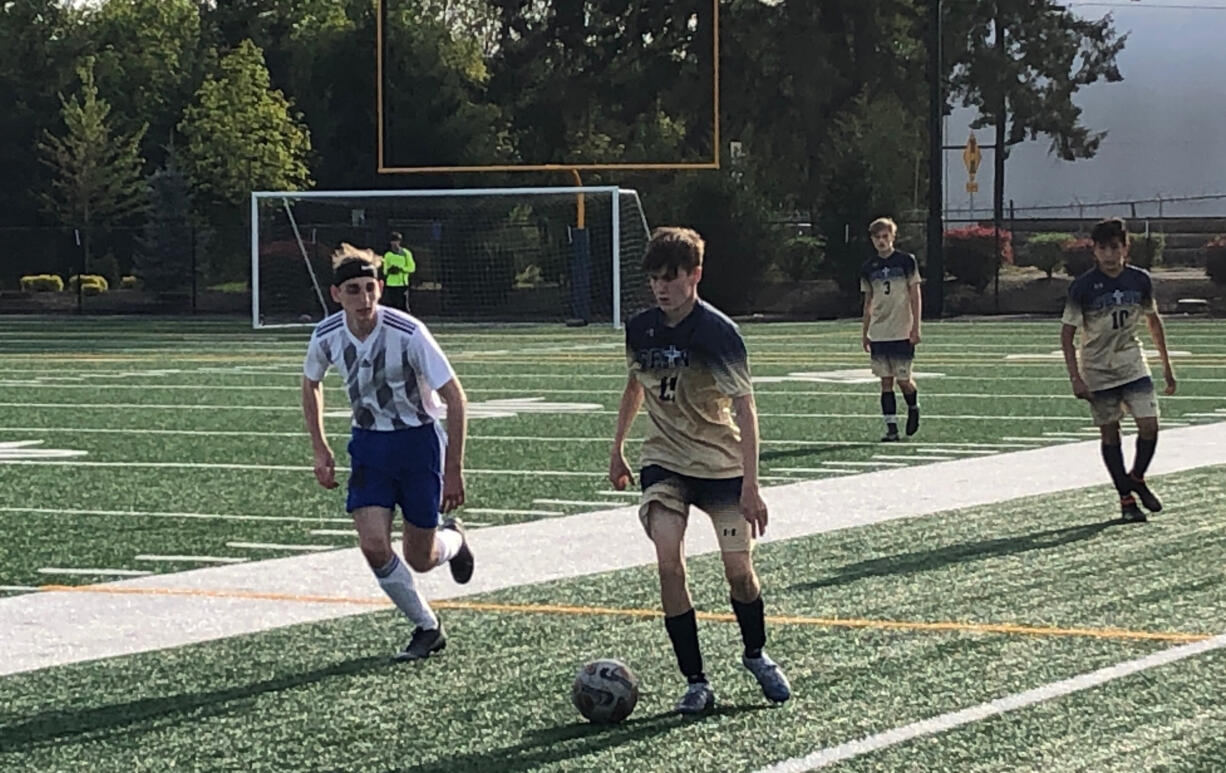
x: 910, y: 393
x: 889, y: 409
x: 1107, y: 412
x: 1147, y: 441
x: 736, y: 550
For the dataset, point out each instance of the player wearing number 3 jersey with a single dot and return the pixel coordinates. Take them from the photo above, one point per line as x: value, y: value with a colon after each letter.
x: 1105, y: 305
x: 688, y: 363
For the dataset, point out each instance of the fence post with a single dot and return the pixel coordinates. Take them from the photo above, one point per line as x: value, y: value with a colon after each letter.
x: 193, y: 238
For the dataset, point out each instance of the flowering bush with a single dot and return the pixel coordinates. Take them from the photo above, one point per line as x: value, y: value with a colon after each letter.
x: 1078, y: 256
x: 970, y: 254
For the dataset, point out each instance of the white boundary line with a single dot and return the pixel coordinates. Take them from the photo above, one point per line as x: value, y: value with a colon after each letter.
x: 90, y: 572
x: 280, y: 546
x: 192, y: 559
x: 939, y: 724
x: 177, y: 516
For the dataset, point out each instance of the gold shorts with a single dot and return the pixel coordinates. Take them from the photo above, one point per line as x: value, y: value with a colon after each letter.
x: 1138, y: 397
x: 719, y: 499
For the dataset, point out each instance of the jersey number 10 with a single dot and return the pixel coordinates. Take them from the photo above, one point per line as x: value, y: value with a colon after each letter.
x: 1118, y: 318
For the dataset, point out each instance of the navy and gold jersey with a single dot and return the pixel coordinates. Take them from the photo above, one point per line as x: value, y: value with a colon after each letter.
x: 690, y: 374
x: 1106, y: 311
x: 890, y: 280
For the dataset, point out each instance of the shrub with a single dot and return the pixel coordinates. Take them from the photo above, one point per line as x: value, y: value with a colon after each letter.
x: 91, y: 284
x: 1215, y: 259
x: 1146, y: 251
x: 1078, y: 256
x: 41, y: 283
x: 969, y: 254
x: 800, y: 257
x: 1044, y: 251
x: 529, y: 277
x: 129, y: 283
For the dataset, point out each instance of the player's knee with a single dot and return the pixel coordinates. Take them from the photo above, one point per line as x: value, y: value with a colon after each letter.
x: 672, y: 571
x: 887, y: 384
x: 1110, y: 433
x: 1147, y: 428
x: 419, y: 554
x: 377, y: 552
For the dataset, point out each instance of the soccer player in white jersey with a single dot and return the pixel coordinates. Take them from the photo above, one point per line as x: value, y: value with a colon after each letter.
x: 890, y: 328
x: 1104, y: 307
x: 687, y: 362
x: 392, y: 369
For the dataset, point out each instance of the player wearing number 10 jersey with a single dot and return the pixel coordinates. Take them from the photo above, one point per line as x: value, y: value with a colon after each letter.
x: 1104, y: 307
x: 688, y: 362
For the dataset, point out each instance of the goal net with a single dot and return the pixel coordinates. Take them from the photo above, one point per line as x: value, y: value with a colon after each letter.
x: 490, y: 254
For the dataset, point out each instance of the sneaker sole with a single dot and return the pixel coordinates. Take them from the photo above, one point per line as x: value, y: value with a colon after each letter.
x: 461, y: 564
x: 405, y: 658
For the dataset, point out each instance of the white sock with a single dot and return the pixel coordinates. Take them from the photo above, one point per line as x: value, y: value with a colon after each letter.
x: 448, y: 543
x: 397, y: 583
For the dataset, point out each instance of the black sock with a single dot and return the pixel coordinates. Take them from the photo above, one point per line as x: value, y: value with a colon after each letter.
x: 1114, y: 457
x: 1145, y: 454
x: 751, y: 617
x: 889, y: 408
x: 683, y: 631
x: 912, y: 398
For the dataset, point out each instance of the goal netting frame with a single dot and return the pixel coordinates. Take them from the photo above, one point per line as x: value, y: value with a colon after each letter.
x: 609, y: 222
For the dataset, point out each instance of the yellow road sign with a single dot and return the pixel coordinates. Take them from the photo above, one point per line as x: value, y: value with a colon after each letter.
x: 971, y: 155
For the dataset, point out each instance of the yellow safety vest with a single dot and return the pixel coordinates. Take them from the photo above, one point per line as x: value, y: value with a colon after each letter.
x: 398, y: 267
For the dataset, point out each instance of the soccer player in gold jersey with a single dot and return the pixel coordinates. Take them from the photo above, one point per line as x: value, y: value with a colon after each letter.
x: 688, y: 364
x: 1105, y: 305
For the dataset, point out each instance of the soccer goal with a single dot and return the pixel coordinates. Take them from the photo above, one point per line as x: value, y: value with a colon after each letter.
x: 482, y: 254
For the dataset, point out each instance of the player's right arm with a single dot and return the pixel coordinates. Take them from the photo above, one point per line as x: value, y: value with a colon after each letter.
x: 1067, y: 332
x: 632, y: 399
x: 313, y: 412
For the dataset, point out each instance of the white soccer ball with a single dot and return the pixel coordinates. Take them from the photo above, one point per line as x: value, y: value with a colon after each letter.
x: 605, y: 691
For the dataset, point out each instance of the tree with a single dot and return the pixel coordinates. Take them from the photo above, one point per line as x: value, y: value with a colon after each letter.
x: 150, y: 60
x: 1050, y: 53
x: 240, y: 134
x: 97, y: 175
x: 163, y: 260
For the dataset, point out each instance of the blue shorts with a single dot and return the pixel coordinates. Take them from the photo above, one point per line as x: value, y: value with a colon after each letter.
x: 402, y: 467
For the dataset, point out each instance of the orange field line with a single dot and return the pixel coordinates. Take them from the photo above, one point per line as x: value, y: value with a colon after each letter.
x: 560, y: 609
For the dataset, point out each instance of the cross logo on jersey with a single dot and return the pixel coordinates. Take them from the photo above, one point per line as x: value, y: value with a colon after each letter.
x: 673, y: 354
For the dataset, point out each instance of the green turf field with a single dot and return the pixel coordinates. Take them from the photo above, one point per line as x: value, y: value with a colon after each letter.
x: 124, y: 444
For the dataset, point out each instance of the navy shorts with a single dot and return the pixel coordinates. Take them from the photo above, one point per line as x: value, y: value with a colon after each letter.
x: 700, y: 492
x: 402, y: 467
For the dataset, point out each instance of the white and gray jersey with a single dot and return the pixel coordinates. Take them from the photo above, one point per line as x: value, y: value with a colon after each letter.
x: 391, y: 377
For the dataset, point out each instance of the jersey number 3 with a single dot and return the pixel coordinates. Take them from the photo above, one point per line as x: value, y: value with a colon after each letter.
x: 1118, y: 318
x: 668, y: 388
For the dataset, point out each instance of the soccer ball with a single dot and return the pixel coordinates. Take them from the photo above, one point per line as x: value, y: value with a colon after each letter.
x: 605, y: 691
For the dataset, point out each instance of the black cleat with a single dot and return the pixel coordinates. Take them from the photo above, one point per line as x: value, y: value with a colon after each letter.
x: 1151, y: 502
x: 423, y: 644
x: 912, y: 421
x: 461, y: 563
x: 891, y: 436
x: 1130, y: 512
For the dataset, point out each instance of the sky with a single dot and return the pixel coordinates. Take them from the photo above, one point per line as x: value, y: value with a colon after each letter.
x: 1166, y: 121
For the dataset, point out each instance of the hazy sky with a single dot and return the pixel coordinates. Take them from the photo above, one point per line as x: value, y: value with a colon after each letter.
x: 1165, y: 120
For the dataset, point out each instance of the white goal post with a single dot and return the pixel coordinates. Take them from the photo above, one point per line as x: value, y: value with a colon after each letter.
x: 528, y: 254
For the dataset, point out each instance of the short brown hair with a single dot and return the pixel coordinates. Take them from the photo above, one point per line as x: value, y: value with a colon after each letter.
x: 674, y: 249
x: 882, y: 224
x: 1111, y: 229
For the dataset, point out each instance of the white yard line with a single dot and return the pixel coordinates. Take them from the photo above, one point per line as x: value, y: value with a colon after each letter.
x: 816, y: 470
x: 53, y: 628
x: 192, y: 559
x: 278, y: 546
x: 873, y: 465
x: 90, y: 572
x: 176, y: 516
x: 575, y: 502
x: 499, y: 511
x: 276, y: 467
x: 948, y: 721
x: 17, y: 588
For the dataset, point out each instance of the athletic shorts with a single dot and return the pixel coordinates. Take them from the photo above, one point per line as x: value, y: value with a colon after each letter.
x: 892, y: 359
x: 401, y: 467
x: 719, y: 498
x: 1108, y: 406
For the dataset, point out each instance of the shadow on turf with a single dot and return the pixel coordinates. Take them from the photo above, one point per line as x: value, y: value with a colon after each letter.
x: 793, y: 453
x: 570, y: 742
x: 64, y: 725
x: 929, y: 560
